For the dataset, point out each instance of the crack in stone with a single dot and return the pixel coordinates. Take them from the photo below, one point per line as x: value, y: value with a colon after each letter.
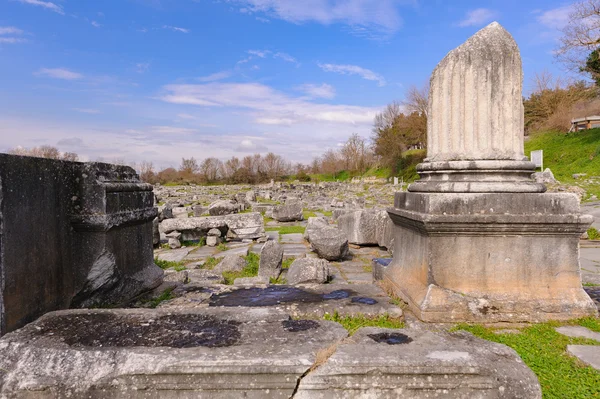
x: 322, y: 356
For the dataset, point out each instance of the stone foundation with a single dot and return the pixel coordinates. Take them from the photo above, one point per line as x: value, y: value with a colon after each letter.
x: 486, y: 257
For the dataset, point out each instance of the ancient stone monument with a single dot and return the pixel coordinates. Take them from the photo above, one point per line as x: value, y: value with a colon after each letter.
x: 476, y: 239
x: 71, y: 235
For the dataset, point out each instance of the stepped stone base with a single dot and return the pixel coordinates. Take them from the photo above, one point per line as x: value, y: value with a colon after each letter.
x: 501, y: 257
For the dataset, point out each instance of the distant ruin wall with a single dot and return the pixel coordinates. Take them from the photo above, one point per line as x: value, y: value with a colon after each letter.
x: 71, y: 235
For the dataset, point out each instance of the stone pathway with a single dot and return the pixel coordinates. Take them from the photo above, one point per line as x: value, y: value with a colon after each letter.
x: 588, y: 354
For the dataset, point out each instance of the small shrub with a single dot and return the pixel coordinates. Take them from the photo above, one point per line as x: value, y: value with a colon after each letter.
x: 287, y: 263
x: 250, y: 270
x: 165, y: 296
x: 222, y: 247
x: 593, y: 234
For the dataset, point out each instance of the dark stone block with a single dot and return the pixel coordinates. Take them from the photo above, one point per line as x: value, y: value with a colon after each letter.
x: 71, y: 234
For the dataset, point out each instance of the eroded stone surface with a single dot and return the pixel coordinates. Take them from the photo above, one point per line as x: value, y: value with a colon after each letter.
x: 216, y: 353
x: 405, y: 363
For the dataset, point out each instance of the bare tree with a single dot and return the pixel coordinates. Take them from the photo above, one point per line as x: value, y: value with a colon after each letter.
x: 45, y: 151
x: 417, y: 100
x: 147, y: 172
x: 210, y: 169
x: 581, y: 34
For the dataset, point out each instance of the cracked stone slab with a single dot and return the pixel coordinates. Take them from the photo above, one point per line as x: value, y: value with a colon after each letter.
x: 589, y: 354
x: 126, y: 353
x: 578, y: 332
x: 408, y: 363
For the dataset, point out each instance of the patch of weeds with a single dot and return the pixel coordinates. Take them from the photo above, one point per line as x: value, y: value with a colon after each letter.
x: 545, y: 351
x: 222, y: 247
x: 165, y: 296
x: 278, y: 280
x: 165, y: 246
x: 267, y: 219
x: 272, y: 228
x: 211, y: 262
x: 368, y: 268
x: 287, y: 263
x: 166, y: 264
x: 292, y: 229
x: 199, y: 243
x: 591, y: 285
x: 593, y: 234
x: 308, y: 214
x: 249, y: 210
x: 250, y: 270
x: 353, y: 323
x: 327, y: 213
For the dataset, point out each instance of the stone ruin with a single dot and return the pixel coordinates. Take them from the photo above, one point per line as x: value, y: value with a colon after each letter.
x: 71, y: 235
x: 476, y: 239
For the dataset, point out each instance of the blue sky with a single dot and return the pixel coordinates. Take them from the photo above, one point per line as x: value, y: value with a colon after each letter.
x: 164, y: 79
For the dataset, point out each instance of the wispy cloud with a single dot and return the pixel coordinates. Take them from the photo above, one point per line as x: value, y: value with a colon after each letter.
x: 96, y: 24
x: 45, y: 4
x: 286, y: 57
x: 354, y: 70
x: 555, y: 18
x: 268, y: 104
x: 87, y: 110
x: 378, y: 15
x: 215, y: 76
x: 318, y: 91
x: 478, y: 17
x: 59, y: 73
x: 248, y: 145
x: 176, y: 29
x: 259, y: 53
x: 142, y: 67
x: 10, y: 30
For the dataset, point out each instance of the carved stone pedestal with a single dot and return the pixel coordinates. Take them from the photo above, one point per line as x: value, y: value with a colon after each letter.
x: 489, y: 257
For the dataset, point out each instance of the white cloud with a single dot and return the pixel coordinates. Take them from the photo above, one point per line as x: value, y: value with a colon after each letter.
x: 215, y: 76
x: 247, y: 145
x: 45, y: 4
x: 10, y: 30
x: 259, y: 53
x: 142, y: 67
x: 555, y: 18
x: 318, y: 91
x: 354, y: 70
x: 172, y: 130
x: 176, y: 29
x: 96, y: 24
x: 59, y: 73
x: 286, y: 57
x: 269, y: 105
x: 87, y: 110
x: 378, y: 15
x: 478, y: 17
x: 12, y: 40
x: 263, y: 20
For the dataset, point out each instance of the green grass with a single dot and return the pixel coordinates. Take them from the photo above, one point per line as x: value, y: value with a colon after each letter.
x: 287, y: 263
x: 200, y: 243
x: 353, y: 323
x: 544, y: 351
x: 308, y: 214
x: 567, y: 154
x: 165, y: 264
x: 593, y: 234
x: 380, y: 173
x: 267, y: 219
x: 591, y: 285
x: 407, y: 165
x: 267, y: 202
x: 327, y: 213
x: 250, y: 270
x: 165, y: 296
x: 211, y: 262
x: 222, y: 247
x: 292, y: 229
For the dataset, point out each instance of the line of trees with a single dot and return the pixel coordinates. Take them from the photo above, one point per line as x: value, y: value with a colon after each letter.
x: 45, y: 151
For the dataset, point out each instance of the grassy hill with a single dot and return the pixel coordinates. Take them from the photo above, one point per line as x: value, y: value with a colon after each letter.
x: 567, y: 154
